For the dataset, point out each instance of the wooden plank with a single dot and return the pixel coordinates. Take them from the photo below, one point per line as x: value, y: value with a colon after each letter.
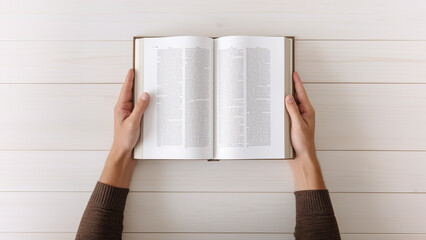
x: 80, y: 116
x: 64, y: 61
x: 380, y: 213
x: 369, y: 116
x: 213, y: 212
x: 50, y: 170
x: 316, y: 61
x: 361, y: 61
x: 109, y: 20
x: 152, y: 212
x: 207, y: 236
x: 57, y: 116
x: 343, y: 172
x: 374, y: 171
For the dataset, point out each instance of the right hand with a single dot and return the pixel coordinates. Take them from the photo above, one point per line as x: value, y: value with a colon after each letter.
x: 305, y: 167
x: 302, y: 120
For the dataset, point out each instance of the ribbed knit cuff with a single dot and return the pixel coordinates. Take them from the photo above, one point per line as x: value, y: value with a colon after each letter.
x: 109, y: 197
x: 313, y: 201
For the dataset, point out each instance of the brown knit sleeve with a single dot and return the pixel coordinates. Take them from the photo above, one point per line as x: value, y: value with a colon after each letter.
x: 315, y: 218
x: 103, y: 217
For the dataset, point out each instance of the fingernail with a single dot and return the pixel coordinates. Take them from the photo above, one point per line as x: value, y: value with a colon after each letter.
x: 145, y: 96
x: 290, y: 99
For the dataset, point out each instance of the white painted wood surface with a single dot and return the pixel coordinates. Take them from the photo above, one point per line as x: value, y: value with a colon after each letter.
x: 344, y: 171
x: 64, y: 61
x: 61, y: 68
x: 369, y: 116
x: 213, y: 212
x: 316, y: 61
x: 57, y: 116
x: 361, y: 61
x: 308, y: 19
x: 80, y: 116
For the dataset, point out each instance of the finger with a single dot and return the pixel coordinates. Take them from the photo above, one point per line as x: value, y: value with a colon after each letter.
x: 293, y: 110
x: 126, y: 89
x: 140, y: 107
x: 302, y: 97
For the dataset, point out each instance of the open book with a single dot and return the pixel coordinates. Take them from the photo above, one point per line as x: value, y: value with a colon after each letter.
x: 214, y: 98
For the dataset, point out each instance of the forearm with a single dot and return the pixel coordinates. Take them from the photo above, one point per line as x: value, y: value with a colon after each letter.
x: 315, y: 217
x: 307, y: 173
x: 314, y: 212
x: 103, y: 217
x: 118, y: 170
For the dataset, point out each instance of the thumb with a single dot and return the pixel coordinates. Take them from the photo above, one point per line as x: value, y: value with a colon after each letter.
x: 140, y: 107
x: 293, y: 110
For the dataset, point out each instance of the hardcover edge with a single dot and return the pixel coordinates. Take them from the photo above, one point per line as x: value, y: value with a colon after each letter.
x: 288, y: 90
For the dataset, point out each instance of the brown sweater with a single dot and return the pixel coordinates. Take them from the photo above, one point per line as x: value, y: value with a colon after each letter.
x: 103, y: 217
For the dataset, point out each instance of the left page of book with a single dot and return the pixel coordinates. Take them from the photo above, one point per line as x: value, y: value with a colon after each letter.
x: 177, y: 72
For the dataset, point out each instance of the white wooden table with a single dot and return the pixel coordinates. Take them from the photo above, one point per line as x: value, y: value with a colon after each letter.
x: 364, y: 67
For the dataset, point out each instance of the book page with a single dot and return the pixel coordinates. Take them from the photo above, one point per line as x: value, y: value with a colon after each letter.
x: 249, y: 104
x: 178, y: 73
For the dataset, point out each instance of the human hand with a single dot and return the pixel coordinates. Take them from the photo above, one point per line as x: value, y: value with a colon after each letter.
x: 305, y: 167
x: 302, y: 120
x: 127, y: 121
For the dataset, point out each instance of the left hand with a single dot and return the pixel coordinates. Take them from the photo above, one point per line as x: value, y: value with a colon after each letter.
x: 120, y: 164
x: 127, y: 123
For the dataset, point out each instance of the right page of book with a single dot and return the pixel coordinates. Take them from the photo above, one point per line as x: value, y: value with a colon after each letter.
x: 249, y: 97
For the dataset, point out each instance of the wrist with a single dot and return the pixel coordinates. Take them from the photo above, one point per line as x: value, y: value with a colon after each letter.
x: 118, y: 154
x: 118, y: 168
x: 120, y: 161
x: 307, y: 156
x: 307, y: 172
